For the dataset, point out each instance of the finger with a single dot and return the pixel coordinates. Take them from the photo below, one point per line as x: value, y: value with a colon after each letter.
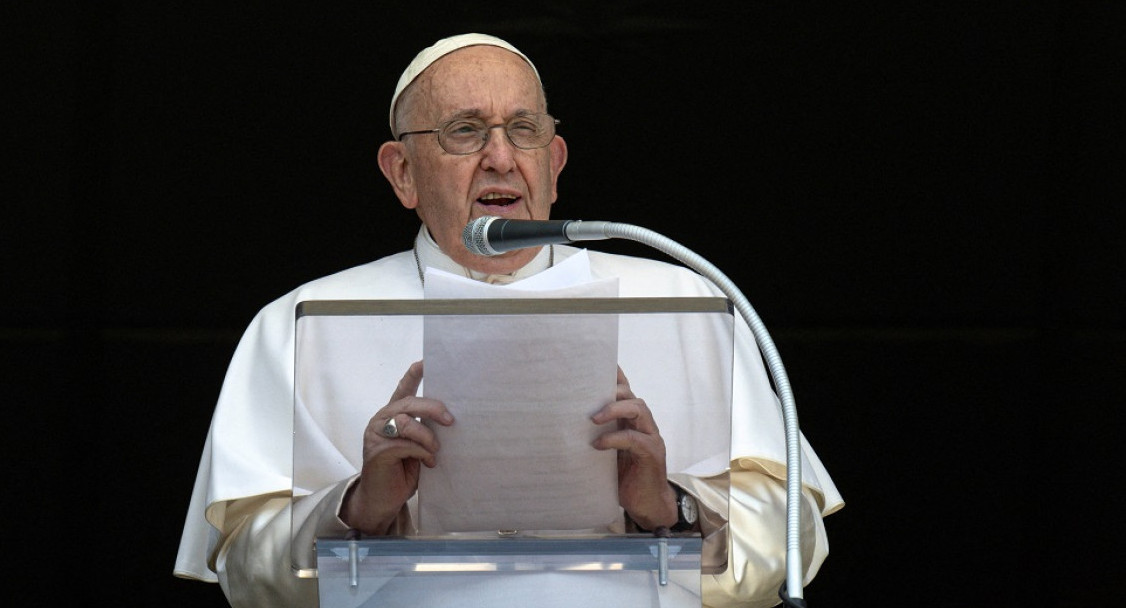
x: 413, y: 440
x: 408, y: 384
x: 623, y: 390
x: 399, y: 452
x: 633, y: 412
x: 413, y: 429
x: 382, y: 430
x: 640, y: 445
x: 417, y: 407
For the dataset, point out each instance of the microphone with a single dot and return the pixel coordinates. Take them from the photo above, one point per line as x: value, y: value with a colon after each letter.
x: 490, y: 235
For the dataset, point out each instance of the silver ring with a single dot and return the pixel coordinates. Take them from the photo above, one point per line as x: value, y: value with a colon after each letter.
x: 391, y: 429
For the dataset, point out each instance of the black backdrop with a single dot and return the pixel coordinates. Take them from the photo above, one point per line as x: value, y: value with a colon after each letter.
x: 923, y: 201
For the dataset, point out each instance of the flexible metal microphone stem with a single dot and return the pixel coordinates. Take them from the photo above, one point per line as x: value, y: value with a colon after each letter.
x: 577, y: 230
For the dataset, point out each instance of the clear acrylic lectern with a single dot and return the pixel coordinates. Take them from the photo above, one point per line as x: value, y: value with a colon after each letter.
x: 350, y: 356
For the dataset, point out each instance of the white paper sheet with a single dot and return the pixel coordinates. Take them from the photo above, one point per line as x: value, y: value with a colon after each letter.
x: 522, y: 389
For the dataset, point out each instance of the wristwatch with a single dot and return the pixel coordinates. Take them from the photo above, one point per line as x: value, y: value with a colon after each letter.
x: 687, y: 510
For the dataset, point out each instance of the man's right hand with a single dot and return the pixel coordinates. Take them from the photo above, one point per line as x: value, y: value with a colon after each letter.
x: 392, y: 464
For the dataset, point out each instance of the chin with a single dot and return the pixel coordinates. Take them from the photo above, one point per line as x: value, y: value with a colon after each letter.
x: 507, y: 262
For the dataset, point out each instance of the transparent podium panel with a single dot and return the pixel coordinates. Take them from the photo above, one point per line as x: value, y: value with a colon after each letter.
x: 603, y: 572
x: 522, y: 378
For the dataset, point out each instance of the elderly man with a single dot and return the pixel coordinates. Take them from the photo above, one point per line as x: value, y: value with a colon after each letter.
x: 472, y: 137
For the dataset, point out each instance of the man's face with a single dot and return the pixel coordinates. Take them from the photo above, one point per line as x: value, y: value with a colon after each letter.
x: 448, y: 191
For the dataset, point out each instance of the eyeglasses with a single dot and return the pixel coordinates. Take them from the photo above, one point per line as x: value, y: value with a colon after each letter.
x: 463, y: 136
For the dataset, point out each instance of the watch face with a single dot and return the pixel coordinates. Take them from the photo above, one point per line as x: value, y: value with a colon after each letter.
x: 688, y: 509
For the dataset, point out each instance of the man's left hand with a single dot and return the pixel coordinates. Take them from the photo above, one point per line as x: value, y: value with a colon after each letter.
x: 643, y: 487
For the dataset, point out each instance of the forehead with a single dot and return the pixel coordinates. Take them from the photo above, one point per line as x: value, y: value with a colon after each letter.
x: 480, y: 79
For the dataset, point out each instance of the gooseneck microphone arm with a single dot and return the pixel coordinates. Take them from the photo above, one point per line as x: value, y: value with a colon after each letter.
x: 486, y: 236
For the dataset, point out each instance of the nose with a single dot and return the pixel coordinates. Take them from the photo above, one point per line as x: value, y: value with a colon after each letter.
x: 498, y: 153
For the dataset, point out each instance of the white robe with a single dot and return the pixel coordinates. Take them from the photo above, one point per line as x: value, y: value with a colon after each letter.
x: 244, y: 479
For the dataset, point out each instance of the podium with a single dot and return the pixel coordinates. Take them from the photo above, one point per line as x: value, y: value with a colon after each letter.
x: 677, y: 355
x: 597, y: 572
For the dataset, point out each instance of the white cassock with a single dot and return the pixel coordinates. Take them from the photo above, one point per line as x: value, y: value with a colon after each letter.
x: 238, y: 528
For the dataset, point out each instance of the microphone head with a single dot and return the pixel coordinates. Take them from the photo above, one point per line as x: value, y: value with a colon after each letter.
x: 475, y: 236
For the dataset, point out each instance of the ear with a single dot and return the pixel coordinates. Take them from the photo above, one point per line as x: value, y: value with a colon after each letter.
x: 558, y: 149
x: 393, y: 163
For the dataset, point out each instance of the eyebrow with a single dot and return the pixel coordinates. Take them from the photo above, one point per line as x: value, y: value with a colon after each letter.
x: 477, y: 113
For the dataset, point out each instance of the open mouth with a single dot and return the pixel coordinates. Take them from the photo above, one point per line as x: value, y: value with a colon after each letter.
x: 495, y: 199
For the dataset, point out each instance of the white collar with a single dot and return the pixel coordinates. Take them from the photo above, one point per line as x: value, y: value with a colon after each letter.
x: 429, y: 255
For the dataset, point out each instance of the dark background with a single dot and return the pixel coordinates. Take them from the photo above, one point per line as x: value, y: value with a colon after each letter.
x: 923, y: 201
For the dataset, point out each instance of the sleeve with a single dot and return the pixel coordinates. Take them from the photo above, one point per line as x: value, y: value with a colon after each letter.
x: 254, y: 558
x: 756, y: 536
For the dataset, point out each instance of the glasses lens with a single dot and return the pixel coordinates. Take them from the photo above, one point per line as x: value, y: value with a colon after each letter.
x: 531, y: 131
x: 464, y: 136
x: 468, y: 135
